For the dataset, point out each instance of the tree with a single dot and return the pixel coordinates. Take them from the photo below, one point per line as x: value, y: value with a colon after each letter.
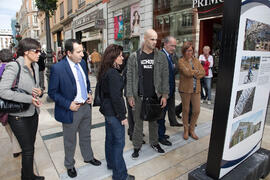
x: 47, y: 5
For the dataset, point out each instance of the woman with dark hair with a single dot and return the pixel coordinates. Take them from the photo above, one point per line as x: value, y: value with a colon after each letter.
x: 114, y: 110
x: 191, y: 72
x: 136, y: 23
x: 24, y: 124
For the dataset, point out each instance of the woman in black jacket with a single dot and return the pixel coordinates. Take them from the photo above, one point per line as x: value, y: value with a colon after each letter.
x: 114, y: 110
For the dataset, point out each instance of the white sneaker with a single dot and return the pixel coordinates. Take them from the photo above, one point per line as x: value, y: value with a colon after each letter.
x: 208, y: 102
x: 201, y: 101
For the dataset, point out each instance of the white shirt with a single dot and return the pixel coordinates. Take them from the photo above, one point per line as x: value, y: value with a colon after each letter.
x: 78, y: 97
x: 211, y: 61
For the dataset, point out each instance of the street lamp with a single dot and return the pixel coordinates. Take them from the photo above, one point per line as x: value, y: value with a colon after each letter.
x: 18, y: 27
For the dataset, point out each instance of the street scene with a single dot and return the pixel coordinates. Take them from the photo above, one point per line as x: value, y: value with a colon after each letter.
x: 123, y: 89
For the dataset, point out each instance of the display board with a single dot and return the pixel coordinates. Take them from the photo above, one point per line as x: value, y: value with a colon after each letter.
x: 241, y: 108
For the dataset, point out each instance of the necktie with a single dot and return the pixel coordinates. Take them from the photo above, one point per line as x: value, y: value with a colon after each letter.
x: 81, y: 82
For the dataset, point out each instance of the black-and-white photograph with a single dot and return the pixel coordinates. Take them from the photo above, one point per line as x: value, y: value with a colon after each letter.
x: 257, y: 36
x: 249, y: 69
x: 244, y: 101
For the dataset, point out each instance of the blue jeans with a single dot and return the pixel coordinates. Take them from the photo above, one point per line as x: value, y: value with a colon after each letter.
x: 207, y: 83
x: 114, y: 146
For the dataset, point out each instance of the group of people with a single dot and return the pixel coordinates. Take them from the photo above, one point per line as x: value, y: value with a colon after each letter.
x: 69, y: 88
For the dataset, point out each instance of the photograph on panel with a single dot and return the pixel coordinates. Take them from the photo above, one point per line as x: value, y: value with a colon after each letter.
x: 246, y: 127
x: 249, y: 69
x: 244, y: 101
x: 257, y: 36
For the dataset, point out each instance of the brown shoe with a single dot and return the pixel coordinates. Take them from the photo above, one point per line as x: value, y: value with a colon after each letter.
x: 193, y: 135
x: 185, y: 135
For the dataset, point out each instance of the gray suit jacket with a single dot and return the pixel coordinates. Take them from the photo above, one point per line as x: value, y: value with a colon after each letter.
x: 26, y: 82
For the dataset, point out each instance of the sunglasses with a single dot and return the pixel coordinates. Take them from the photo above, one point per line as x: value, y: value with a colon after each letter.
x: 35, y: 50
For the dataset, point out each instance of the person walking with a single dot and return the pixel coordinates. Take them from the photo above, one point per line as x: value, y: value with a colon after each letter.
x: 191, y: 72
x: 155, y: 83
x: 207, y: 61
x: 41, y: 67
x: 114, y: 110
x: 95, y: 59
x: 69, y: 87
x: 24, y: 124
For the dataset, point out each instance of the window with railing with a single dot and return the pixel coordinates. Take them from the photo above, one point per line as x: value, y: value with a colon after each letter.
x: 69, y: 5
x: 35, y: 19
x: 62, y: 10
x: 81, y: 3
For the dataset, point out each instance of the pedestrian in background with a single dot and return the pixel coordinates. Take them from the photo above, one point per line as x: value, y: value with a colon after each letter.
x: 114, y: 110
x: 95, y: 59
x: 41, y: 66
x: 70, y: 89
x: 207, y: 62
x: 24, y: 124
x: 191, y: 72
x: 6, y: 56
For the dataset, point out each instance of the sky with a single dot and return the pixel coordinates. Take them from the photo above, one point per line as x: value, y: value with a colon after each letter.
x: 8, y: 9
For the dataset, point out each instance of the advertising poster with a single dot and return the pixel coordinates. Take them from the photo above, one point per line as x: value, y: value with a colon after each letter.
x: 118, y: 27
x: 135, y: 18
x: 251, y: 85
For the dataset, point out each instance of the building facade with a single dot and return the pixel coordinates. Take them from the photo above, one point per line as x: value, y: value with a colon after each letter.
x: 5, y: 38
x: 127, y: 21
x: 27, y: 17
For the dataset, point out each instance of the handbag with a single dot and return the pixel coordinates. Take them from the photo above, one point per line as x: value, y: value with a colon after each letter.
x: 151, y: 109
x: 97, y: 98
x: 8, y: 106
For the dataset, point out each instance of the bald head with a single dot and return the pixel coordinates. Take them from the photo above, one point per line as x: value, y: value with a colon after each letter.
x: 150, y: 32
x: 150, y: 39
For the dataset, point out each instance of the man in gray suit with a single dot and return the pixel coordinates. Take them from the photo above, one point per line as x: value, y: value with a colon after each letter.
x: 70, y: 89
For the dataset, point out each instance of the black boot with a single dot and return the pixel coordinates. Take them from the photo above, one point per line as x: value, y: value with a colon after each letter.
x: 35, y: 177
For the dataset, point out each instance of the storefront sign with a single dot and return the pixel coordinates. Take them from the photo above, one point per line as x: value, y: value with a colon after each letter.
x: 208, y: 8
x: 100, y: 23
x: 204, y: 3
x: 88, y: 18
x: 243, y: 86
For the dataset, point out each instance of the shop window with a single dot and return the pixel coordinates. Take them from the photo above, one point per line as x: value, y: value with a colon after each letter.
x: 62, y: 10
x: 69, y: 5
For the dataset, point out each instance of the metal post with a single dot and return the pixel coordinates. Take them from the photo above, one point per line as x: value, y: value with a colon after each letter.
x: 49, y: 47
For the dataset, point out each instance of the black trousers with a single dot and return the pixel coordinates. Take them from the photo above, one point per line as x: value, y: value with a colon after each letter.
x: 25, y: 129
x: 130, y: 119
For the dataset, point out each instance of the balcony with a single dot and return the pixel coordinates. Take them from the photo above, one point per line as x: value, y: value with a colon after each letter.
x: 81, y: 4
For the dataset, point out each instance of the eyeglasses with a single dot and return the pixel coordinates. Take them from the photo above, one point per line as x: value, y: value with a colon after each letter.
x: 35, y: 50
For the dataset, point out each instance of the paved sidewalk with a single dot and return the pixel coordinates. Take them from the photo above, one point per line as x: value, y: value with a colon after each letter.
x: 176, y: 163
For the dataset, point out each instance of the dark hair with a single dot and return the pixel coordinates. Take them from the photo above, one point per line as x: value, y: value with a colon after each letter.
x: 69, y: 44
x: 107, y: 60
x: 185, y: 47
x: 138, y: 20
x: 26, y: 44
x: 6, y: 55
